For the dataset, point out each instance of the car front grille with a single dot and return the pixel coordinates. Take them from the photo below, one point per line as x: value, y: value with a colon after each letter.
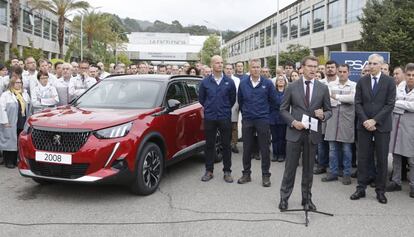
x: 59, y: 141
x: 73, y: 171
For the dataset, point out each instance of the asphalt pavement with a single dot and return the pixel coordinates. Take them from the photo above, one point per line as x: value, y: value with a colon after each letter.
x: 185, y: 206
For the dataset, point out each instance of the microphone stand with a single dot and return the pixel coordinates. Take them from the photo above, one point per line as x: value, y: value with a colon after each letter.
x: 305, y: 163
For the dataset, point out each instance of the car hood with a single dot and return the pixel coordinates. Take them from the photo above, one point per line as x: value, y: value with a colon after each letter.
x: 69, y: 117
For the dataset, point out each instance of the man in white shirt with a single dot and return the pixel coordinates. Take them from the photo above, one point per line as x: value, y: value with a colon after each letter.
x: 78, y: 85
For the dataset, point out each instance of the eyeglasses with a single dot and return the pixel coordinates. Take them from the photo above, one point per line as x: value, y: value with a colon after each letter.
x: 371, y: 63
x: 311, y: 66
x: 18, y: 82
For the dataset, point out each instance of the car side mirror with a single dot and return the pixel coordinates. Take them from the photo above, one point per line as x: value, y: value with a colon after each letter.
x: 173, y: 105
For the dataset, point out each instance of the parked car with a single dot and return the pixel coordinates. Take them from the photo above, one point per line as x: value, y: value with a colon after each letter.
x: 125, y: 129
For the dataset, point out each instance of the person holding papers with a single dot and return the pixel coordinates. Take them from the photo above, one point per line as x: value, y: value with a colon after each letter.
x: 305, y: 105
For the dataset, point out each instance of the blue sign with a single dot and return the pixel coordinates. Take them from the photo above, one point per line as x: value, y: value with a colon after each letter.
x: 356, y: 61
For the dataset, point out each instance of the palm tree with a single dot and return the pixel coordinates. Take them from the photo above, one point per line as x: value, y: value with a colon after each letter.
x: 62, y: 8
x: 14, y: 18
x: 96, y: 26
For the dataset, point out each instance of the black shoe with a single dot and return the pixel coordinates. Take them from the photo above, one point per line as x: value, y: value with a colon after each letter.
x: 207, y: 176
x: 392, y: 187
x: 346, y: 180
x: 319, y: 170
x: 266, y: 181
x: 381, y: 198
x: 244, y: 179
x: 10, y: 166
x: 274, y: 158
x: 358, y: 194
x: 354, y: 174
x: 234, y: 148
x: 340, y: 173
x: 412, y: 193
x: 227, y: 177
x: 283, y: 205
x: 281, y: 158
x: 311, y: 205
x: 329, y: 178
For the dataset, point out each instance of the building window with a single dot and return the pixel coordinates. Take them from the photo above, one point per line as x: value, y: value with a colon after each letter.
x: 274, y: 33
x: 38, y: 26
x: 262, y: 38
x: 294, y: 28
x: 46, y: 29
x: 67, y: 36
x: 318, y: 17
x: 353, y: 10
x: 27, y: 22
x: 284, y: 31
x: 256, y: 40
x: 305, y: 23
x: 334, y: 14
x: 242, y: 46
x: 54, y: 31
x: 251, y: 42
x: 3, y: 12
x: 268, y: 36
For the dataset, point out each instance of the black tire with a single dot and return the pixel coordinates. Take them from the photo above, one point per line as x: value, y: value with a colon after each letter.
x: 218, y: 148
x: 149, y: 170
x: 43, y: 181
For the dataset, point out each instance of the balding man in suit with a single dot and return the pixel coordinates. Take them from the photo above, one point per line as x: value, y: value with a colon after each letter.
x: 306, y: 100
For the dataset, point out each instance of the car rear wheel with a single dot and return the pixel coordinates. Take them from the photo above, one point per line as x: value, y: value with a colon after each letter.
x: 149, y: 170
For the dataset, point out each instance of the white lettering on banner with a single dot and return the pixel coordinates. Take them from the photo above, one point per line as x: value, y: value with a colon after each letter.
x: 162, y: 56
x: 356, y: 64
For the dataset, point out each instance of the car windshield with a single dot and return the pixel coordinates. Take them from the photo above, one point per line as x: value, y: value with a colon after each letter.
x: 121, y: 93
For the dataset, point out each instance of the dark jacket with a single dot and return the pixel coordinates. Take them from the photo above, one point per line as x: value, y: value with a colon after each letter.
x: 217, y: 100
x: 379, y: 106
x: 255, y: 103
x: 275, y: 117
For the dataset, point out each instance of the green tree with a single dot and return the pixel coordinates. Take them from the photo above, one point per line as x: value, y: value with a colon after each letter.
x: 386, y: 27
x: 210, y: 48
x: 32, y: 52
x: 63, y: 8
x: 294, y: 53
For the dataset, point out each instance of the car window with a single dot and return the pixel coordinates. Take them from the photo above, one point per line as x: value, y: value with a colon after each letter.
x: 192, y: 89
x: 176, y: 91
x: 134, y: 94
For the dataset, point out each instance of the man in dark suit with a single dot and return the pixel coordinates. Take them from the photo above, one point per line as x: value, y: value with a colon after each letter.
x: 304, y: 97
x: 374, y: 103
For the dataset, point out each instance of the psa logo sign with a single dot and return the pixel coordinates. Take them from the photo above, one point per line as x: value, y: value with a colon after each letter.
x: 356, y: 64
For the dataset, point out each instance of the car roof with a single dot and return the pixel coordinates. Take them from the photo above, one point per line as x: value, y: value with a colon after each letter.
x: 152, y: 77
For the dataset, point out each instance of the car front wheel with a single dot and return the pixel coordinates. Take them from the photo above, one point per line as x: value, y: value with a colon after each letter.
x: 149, y: 170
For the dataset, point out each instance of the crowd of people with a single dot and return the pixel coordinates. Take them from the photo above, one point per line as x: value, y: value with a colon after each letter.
x: 314, y: 111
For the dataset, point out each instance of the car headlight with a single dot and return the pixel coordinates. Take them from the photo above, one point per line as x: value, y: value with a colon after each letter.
x: 114, y: 132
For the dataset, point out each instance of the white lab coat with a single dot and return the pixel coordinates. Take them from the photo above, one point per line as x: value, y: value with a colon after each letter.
x: 44, y: 97
x: 77, y: 85
x: 8, y: 115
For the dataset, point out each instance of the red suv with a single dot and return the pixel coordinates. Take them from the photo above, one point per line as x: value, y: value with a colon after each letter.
x: 125, y: 129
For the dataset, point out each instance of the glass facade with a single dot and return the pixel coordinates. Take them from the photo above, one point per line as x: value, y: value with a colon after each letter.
x: 305, y: 19
x: 54, y: 31
x: 294, y: 28
x: 38, y: 26
x: 268, y: 36
x: 3, y: 12
x: 284, y: 31
x: 46, y: 29
x: 334, y: 13
x: 353, y: 10
x: 27, y: 22
x: 318, y: 17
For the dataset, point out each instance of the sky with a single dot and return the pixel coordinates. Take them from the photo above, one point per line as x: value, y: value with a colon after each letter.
x: 235, y: 15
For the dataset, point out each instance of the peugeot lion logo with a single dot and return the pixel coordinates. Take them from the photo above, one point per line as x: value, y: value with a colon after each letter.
x: 56, y: 140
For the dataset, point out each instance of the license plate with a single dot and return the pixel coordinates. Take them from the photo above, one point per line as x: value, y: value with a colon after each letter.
x: 57, y: 158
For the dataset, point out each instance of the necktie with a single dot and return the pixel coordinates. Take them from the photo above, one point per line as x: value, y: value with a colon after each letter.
x: 307, y: 94
x: 374, y: 88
